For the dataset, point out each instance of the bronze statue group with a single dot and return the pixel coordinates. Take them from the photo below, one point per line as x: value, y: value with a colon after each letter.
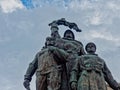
x: 62, y: 64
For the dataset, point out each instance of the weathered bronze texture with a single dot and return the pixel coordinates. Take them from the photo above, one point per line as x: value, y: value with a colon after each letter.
x: 91, y: 72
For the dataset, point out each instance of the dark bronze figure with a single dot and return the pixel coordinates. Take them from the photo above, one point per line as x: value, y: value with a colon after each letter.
x: 90, y: 72
x: 63, y: 65
x: 48, y: 67
x: 52, y: 72
x: 71, y: 46
x: 74, y: 48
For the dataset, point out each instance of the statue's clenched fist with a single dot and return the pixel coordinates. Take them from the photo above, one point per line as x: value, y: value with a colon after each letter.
x: 26, y: 84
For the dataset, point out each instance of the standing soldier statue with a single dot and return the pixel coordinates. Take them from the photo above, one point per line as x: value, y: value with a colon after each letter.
x: 47, y: 65
x: 90, y: 72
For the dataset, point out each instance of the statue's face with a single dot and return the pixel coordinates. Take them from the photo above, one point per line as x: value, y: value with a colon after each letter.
x: 91, y: 48
x: 69, y: 35
x: 54, y: 28
x: 49, y: 42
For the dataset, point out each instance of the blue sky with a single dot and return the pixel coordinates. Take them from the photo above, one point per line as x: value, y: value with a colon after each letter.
x: 23, y: 31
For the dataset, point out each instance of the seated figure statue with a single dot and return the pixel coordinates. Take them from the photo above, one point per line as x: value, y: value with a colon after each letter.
x: 90, y: 72
x: 48, y: 67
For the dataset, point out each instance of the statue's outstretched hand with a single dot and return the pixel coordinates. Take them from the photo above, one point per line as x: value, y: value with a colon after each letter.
x: 26, y: 84
x: 74, y: 86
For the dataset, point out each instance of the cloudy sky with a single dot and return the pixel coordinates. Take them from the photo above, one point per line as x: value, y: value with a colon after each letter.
x: 24, y: 27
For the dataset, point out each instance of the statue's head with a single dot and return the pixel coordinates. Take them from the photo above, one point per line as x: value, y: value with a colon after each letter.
x: 54, y: 27
x: 90, y: 47
x: 69, y: 34
x: 49, y: 41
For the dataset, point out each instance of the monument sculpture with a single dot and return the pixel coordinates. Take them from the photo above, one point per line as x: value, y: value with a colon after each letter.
x: 70, y: 45
x: 90, y: 72
x: 62, y: 63
x: 47, y: 65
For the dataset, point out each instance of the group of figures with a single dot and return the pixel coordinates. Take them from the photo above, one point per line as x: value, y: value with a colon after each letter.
x: 62, y: 64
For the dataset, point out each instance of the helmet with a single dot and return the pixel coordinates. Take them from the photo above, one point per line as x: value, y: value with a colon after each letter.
x: 90, y: 47
x: 69, y: 31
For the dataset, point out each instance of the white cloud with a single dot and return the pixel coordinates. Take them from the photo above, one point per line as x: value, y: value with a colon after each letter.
x: 104, y: 34
x: 96, y: 12
x: 10, y: 5
x: 6, y: 84
x: 83, y: 4
x: 96, y: 19
x: 114, y: 5
x: 4, y: 39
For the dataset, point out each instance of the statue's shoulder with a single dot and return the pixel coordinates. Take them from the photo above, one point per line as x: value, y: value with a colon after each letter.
x: 78, y: 42
x: 60, y: 40
x: 88, y: 56
x: 81, y: 57
x: 42, y: 51
x: 65, y: 39
x: 96, y: 57
x: 73, y: 41
x: 101, y: 59
x: 85, y: 56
